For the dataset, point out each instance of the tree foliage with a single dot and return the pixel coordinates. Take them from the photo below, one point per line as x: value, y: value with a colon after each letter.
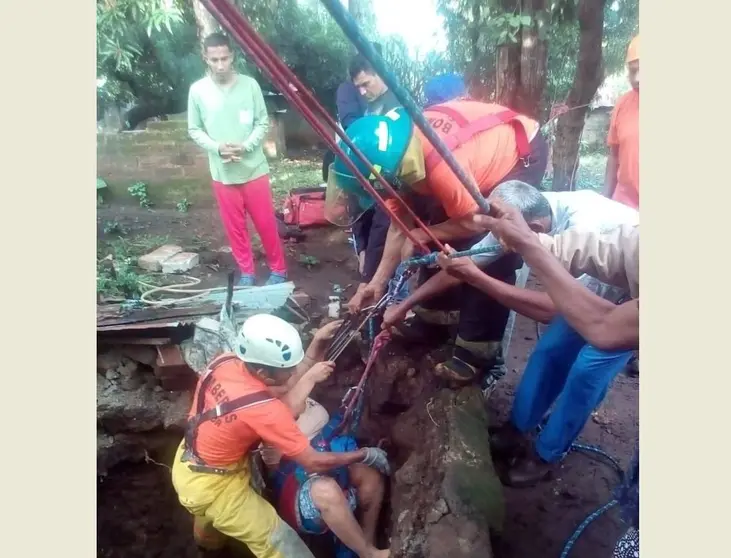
x: 477, y: 28
x: 148, y: 52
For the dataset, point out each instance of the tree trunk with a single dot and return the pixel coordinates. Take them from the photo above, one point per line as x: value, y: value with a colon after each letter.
x: 588, y: 77
x: 507, y: 75
x: 204, y: 21
x: 521, y: 66
x: 533, y: 58
x: 362, y: 13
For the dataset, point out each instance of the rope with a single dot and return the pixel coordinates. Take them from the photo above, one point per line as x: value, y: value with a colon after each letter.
x: 431, y: 258
x: 353, y: 400
x: 584, y: 524
x: 599, y: 451
x: 589, y: 449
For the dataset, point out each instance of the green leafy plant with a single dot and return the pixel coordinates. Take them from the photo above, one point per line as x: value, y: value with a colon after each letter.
x: 117, y: 275
x: 114, y: 227
x: 508, y: 25
x: 183, y: 205
x: 139, y: 190
x: 308, y: 261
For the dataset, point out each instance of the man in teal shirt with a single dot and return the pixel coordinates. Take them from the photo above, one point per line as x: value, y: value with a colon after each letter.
x: 227, y: 118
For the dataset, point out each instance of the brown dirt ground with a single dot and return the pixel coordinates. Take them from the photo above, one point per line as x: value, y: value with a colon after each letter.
x: 538, y: 521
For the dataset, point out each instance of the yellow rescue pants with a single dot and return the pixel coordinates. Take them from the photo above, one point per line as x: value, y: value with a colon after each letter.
x: 228, y: 505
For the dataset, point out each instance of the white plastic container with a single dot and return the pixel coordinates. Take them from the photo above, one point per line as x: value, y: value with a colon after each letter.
x: 333, y: 307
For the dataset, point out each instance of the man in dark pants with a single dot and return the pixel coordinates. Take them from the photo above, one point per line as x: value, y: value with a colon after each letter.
x: 478, y: 342
x: 371, y: 229
x: 374, y: 97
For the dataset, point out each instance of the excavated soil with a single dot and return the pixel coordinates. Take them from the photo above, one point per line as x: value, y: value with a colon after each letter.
x: 137, y: 511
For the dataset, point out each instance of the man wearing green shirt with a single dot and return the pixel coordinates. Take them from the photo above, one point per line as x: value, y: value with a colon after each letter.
x: 227, y: 118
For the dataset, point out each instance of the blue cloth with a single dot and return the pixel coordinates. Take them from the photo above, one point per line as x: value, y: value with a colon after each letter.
x: 309, y: 516
x: 441, y: 89
x: 563, y: 369
x: 350, y: 104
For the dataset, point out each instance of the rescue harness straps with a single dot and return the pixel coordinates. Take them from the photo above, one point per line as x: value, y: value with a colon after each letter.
x: 466, y: 130
x: 349, y: 27
x: 289, y: 85
x: 249, y: 400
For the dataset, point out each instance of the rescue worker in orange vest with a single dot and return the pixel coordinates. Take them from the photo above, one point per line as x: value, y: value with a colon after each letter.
x: 491, y: 143
x: 622, y: 181
x: 242, y: 399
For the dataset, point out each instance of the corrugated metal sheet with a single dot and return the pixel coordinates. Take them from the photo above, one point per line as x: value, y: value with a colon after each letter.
x: 245, y: 302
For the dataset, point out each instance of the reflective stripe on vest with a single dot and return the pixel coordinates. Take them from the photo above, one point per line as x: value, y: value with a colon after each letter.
x: 466, y: 130
x: 221, y: 409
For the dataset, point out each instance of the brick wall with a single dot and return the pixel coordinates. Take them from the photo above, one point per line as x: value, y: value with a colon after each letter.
x: 164, y: 158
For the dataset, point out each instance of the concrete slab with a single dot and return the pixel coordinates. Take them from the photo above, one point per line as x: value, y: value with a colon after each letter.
x: 180, y: 262
x: 153, y: 260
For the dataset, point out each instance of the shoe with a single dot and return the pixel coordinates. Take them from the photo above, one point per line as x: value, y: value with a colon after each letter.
x: 456, y: 370
x: 529, y: 471
x: 508, y: 441
x: 246, y: 280
x: 276, y: 278
x: 416, y: 330
x: 492, y: 377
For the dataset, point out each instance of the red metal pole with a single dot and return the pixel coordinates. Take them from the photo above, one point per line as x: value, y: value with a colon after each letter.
x: 284, y: 78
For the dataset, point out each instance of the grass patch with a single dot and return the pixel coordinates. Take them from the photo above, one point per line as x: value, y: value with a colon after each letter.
x: 291, y: 173
x: 589, y: 173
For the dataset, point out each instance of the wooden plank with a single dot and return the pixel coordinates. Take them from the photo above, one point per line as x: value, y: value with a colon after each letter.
x: 155, y: 341
x: 156, y: 314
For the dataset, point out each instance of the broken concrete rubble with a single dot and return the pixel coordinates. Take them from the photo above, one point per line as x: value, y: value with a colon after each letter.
x: 180, y: 262
x: 153, y: 261
x: 136, y: 417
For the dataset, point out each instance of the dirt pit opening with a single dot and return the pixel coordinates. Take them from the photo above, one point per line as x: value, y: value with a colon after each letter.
x: 441, y: 498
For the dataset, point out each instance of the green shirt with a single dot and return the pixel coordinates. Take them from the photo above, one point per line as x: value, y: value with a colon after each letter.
x: 233, y: 114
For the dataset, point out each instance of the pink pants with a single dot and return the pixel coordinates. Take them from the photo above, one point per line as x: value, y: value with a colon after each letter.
x: 254, y: 198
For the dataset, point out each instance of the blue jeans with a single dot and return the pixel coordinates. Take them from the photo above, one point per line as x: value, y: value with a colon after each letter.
x: 566, y: 370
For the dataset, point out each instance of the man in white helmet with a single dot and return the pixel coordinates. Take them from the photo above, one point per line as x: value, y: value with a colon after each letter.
x: 238, y: 403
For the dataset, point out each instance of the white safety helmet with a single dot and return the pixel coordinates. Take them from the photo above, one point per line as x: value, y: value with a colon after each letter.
x: 266, y: 339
